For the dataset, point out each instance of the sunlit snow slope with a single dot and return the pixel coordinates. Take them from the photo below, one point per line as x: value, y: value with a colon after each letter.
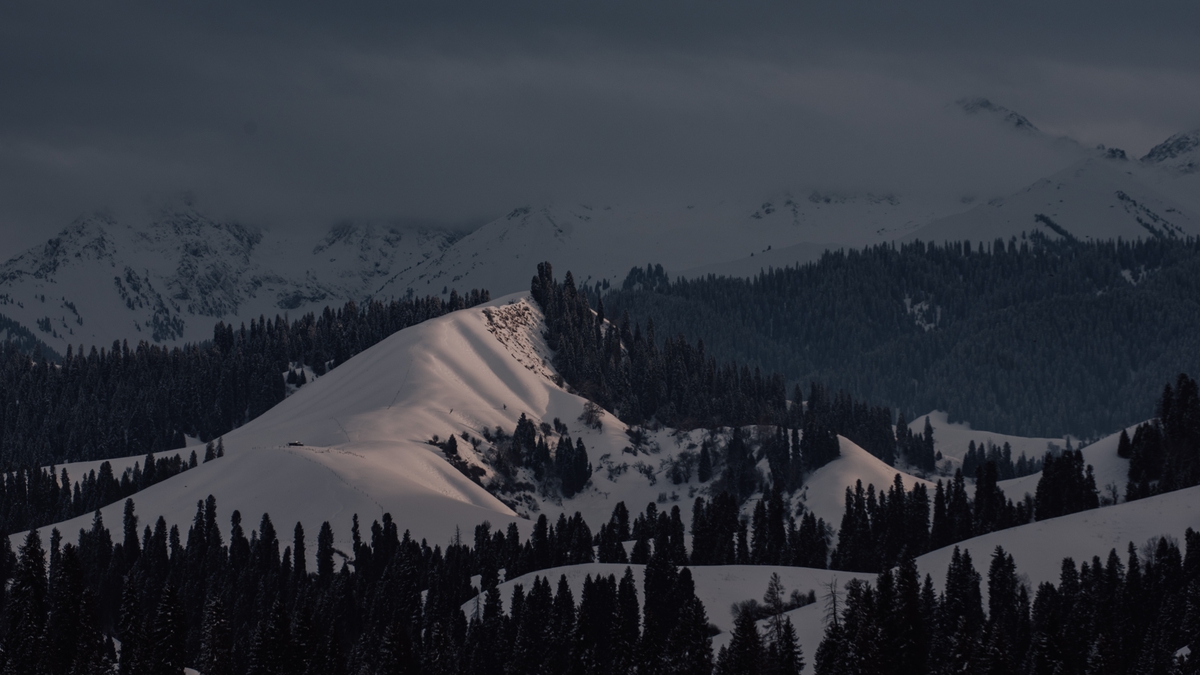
x: 364, y: 428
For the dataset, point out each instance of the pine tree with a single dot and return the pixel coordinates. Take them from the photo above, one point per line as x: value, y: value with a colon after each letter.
x: 745, y: 653
x: 325, y: 554
x: 64, y: 625
x: 299, y: 555
x: 27, y: 606
x: 704, y: 469
x: 689, y: 647
x: 168, y: 634
x: 216, y: 640
x: 627, y: 626
x: 270, y: 653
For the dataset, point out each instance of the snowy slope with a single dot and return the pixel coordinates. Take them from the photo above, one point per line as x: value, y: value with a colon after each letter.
x: 953, y: 438
x: 718, y: 586
x: 824, y: 493
x: 1111, y: 471
x: 1091, y: 200
x: 1039, y: 548
x: 365, y: 425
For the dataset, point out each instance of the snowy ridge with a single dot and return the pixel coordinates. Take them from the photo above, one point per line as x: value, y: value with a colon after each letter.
x: 1094, y: 199
x: 171, y: 279
x: 170, y: 276
x: 1180, y: 152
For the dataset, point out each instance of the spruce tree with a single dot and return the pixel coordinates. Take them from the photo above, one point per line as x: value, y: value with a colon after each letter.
x: 689, y: 648
x: 168, y: 634
x: 215, y: 640
x: 325, y: 554
x: 704, y: 468
x: 744, y: 655
x: 25, y: 619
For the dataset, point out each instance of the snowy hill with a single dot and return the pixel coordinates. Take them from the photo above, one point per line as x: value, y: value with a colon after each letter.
x: 171, y: 279
x: 1111, y: 471
x: 824, y: 492
x: 364, y: 430
x: 953, y: 438
x: 1038, y: 549
x: 1094, y: 199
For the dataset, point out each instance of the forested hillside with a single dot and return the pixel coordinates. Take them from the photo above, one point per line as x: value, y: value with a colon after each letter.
x: 134, y: 400
x: 1029, y: 337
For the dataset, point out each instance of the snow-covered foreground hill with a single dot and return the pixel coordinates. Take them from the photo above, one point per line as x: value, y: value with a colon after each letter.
x: 1037, y: 548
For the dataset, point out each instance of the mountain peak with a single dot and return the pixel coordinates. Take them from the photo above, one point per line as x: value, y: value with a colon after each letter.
x: 1181, y: 151
x: 977, y: 105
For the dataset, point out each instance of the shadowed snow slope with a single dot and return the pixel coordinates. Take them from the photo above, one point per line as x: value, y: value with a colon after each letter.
x: 1092, y: 200
x: 1110, y: 470
x: 952, y: 438
x: 1039, y: 548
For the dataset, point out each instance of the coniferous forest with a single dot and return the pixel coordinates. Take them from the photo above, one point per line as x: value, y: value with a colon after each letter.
x: 223, y: 602
x: 128, y: 401
x: 1031, y: 337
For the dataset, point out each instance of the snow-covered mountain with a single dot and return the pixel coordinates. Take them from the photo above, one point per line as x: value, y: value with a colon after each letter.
x: 171, y: 279
x: 1094, y: 199
x: 981, y: 106
x: 1180, y: 153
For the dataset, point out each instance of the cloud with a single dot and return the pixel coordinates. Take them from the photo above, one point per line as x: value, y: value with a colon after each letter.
x: 298, y: 114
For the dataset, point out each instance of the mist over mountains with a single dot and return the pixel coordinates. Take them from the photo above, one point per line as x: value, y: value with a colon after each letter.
x: 168, y: 275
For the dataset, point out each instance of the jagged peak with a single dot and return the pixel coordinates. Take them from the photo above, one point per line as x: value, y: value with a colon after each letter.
x: 975, y: 105
x: 1183, y: 146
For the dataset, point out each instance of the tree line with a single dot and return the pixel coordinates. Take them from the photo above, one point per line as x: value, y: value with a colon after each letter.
x: 33, y: 498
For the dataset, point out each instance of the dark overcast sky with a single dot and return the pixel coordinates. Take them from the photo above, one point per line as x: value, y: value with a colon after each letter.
x: 297, y: 114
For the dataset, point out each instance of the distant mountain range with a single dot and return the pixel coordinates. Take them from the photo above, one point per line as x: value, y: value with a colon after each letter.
x: 170, y: 277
